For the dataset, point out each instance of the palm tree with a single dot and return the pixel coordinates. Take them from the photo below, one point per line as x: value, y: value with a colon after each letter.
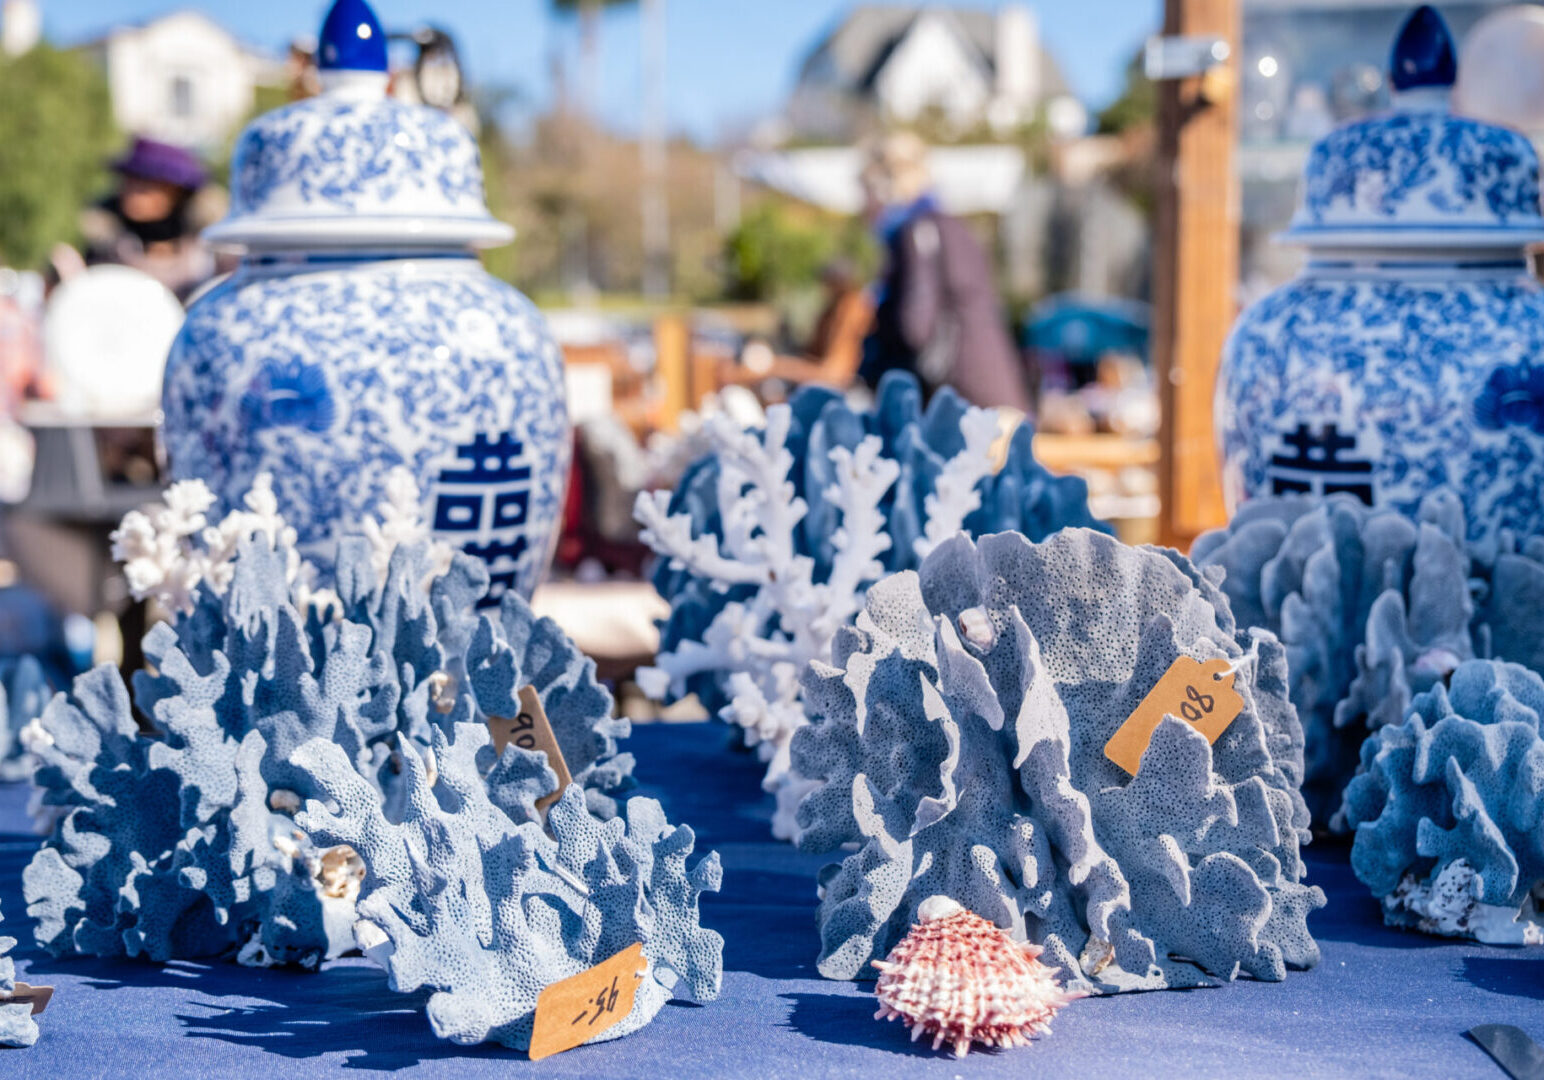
x: 654, y: 205
x: 589, y: 44
x: 653, y: 198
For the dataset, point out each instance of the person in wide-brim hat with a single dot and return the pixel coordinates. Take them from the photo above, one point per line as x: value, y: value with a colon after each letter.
x: 150, y: 222
x: 163, y: 163
x: 938, y: 315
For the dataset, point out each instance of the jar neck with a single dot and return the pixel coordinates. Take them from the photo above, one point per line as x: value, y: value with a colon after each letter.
x: 290, y: 261
x: 1504, y: 264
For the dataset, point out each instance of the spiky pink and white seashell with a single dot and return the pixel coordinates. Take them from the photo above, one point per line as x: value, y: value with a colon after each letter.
x: 961, y: 979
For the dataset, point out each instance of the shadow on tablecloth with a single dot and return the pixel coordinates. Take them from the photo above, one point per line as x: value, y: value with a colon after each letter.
x: 1521, y: 976
x: 844, y: 1020
x: 347, y: 1008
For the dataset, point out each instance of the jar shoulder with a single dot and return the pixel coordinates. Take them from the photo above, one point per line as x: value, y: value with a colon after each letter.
x: 1509, y: 306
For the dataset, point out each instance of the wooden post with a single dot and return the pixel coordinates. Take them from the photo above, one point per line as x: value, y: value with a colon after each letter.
x: 672, y: 350
x: 1195, y: 267
x: 704, y: 364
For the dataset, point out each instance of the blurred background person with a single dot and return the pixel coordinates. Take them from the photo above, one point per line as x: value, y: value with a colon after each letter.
x: 834, y: 351
x: 938, y: 314
x: 21, y: 376
x: 152, y: 221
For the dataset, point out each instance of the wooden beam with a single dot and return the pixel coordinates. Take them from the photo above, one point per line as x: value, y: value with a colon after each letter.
x: 1195, y: 267
x: 672, y: 351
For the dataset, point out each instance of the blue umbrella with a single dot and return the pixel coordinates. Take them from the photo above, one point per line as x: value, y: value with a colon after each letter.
x: 1083, y: 328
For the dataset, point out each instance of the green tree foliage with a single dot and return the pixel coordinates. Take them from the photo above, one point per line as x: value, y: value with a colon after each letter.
x: 779, y: 248
x: 56, y: 134
x: 1137, y: 105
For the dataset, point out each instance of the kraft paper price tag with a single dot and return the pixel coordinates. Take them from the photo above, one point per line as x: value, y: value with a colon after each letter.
x: 1200, y: 694
x: 531, y: 731
x: 37, y: 996
x: 584, y: 1005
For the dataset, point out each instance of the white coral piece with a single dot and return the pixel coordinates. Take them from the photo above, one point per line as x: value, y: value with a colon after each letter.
x: 766, y: 641
x: 955, y: 496
x: 168, y: 549
x: 400, y: 523
x: 1451, y: 905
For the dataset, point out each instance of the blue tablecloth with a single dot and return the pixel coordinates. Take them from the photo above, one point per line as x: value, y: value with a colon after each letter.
x: 1381, y: 1003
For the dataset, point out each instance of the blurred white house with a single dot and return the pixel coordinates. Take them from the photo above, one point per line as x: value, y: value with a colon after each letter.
x: 182, y: 78
x: 885, y: 65
x: 21, y: 26
x: 975, y: 77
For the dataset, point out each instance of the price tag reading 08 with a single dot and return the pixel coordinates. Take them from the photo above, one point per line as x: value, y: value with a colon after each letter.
x: 1201, y: 694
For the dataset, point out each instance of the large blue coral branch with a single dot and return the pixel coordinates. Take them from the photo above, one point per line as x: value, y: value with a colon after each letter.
x: 180, y: 842
x: 460, y: 899
x: 957, y: 739
x: 770, y: 541
x: 1374, y: 608
x: 1448, y: 808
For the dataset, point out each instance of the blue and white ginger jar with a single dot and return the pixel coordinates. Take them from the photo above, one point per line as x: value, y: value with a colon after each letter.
x: 361, y: 332
x: 1409, y: 353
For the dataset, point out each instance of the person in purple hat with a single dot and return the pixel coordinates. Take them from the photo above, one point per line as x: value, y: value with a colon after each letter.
x: 151, y: 222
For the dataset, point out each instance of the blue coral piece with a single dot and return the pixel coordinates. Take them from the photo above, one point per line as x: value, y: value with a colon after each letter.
x: 119, y: 821
x: 519, y: 650
x: 486, y: 913
x: 17, y: 1028
x: 957, y: 740
x: 1374, y: 608
x: 1509, y: 611
x: 1023, y: 496
x: 23, y: 694
x: 1460, y: 779
x: 164, y: 845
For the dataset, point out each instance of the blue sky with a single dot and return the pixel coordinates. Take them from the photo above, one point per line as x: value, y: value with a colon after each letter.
x: 731, y: 61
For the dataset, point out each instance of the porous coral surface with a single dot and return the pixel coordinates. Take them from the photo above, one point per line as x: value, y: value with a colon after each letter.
x: 17, y: 1028
x: 770, y: 540
x: 957, y: 738
x: 1448, y: 808
x: 1374, y: 608
x: 461, y: 900
x: 180, y: 842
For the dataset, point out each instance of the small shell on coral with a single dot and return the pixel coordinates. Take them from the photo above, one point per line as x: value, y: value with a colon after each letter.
x: 341, y: 872
x: 442, y: 692
x: 962, y: 979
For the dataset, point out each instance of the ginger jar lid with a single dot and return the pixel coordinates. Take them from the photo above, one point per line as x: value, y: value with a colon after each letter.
x: 352, y: 168
x: 1419, y: 176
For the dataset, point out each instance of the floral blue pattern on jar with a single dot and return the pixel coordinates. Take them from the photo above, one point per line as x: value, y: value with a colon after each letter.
x: 289, y: 393
x: 1402, y: 358
x: 361, y: 333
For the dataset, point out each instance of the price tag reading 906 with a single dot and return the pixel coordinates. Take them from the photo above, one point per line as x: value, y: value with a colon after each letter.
x: 530, y: 730
x: 1200, y: 694
x: 582, y: 1006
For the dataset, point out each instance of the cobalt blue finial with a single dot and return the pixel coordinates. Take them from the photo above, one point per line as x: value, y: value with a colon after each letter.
x: 351, y: 39
x: 1423, y: 55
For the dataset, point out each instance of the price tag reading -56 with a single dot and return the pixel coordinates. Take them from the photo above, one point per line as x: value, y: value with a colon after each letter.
x: 1200, y: 694
x: 584, y: 1005
x: 604, y: 1002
